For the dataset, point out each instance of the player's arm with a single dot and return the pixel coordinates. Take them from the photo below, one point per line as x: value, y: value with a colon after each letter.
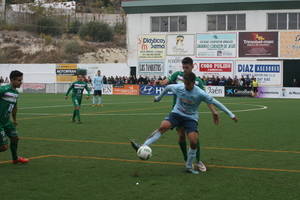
x: 210, y: 100
x: 88, y: 91
x: 69, y: 90
x: 169, y: 88
x: 14, y: 115
x: 214, y: 112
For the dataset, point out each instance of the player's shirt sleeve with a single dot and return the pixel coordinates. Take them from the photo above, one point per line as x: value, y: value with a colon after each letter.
x: 70, y: 88
x: 2, y: 91
x: 200, y: 83
x: 169, y: 88
x: 210, y: 100
x: 87, y: 89
x: 173, y: 77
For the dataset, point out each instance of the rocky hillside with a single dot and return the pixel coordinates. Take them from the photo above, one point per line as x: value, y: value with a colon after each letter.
x: 24, y: 47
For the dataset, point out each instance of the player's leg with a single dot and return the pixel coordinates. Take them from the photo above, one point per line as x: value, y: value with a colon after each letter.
x: 76, y: 114
x: 14, y: 141
x: 191, y: 128
x: 3, y: 140
x: 169, y: 122
x: 182, y: 142
x: 95, y: 98
x: 193, y: 138
x: 100, y: 98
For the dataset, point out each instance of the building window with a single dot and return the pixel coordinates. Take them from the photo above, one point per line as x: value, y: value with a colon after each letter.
x: 169, y: 24
x: 226, y: 22
x: 283, y: 21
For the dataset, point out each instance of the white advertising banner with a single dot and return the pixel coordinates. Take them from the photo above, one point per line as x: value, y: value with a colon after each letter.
x: 279, y: 92
x: 221, y: 45
x: 215, y: 91
x: 106, y: 90
x: 268, y: 73
x: 152, y: 46
x: 215, y: 68
x: 151, y: 66
x: 173, y: 64
x: 180, y: 45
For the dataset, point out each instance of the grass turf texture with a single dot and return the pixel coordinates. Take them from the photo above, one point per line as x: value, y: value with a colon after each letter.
x: 94, y: 159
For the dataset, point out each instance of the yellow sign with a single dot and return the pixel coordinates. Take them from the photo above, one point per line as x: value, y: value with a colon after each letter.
x: 290, y: 44
x: 66, y: 72
x: 152, y: 46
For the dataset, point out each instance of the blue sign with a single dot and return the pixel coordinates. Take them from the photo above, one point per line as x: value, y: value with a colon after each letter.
x: 151, y: 90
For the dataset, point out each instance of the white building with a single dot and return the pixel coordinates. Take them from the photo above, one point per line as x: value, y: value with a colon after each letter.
x: 225, y: 37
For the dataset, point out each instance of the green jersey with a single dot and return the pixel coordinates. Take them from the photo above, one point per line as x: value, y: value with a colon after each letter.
x: 177, y: 77
x: 8, y: 100
x: 77, y: 88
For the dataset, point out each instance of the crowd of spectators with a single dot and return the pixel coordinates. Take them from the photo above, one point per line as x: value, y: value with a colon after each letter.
x: 146, y: 80
x: 4, y: 80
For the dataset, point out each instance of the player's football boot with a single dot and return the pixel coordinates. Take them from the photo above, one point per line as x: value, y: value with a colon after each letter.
x: 191, y: 171
x: 200, y: 166
x: 20, y: 160
x: 134, y: 145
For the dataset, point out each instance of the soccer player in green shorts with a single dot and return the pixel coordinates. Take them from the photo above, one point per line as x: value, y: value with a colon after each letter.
x: 77, y: 88
x: 177, y: 77
x: 8, y: 107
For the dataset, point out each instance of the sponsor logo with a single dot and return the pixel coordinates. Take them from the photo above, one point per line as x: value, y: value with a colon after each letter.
x: 147, y: 89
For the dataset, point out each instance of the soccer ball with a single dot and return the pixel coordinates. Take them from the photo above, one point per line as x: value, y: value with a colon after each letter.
x: 144, y: 152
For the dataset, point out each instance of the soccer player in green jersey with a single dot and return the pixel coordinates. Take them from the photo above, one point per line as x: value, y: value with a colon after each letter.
x: 8, y: 108
x: 177, y: 77
x: 77, y: 88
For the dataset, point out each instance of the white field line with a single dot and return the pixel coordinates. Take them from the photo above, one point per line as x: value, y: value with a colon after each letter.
x: 259, y: 107
x: 133, y: 102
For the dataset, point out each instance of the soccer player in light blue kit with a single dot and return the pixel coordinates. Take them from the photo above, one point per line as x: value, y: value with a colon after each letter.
x: 98, y: 86
x: 185, y: 114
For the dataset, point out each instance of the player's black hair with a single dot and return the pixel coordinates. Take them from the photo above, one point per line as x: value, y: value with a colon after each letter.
x: 14, y: 74
x: 190, y: 77
x: 187, y: 60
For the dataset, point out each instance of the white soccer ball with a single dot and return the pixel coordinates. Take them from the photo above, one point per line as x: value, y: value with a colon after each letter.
x: 144, y: 152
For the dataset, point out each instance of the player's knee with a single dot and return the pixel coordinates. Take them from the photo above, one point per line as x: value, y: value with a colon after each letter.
x: 181, y: 137
x: 3, y: 147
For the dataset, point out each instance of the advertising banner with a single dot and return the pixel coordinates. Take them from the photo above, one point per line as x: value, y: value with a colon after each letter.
x: 238, y: 92
x: 126, y: 90
x: 279, y: 92
x: 34, y: 87
x: 173, y: 64
x: 151, y: 67
x: 222, y: 45
x: 258, y: 44
x: 211, y: 68
x: 267, y: 73
x: 152, y: 46
x: 181, y: 45
x: 290, y: 44
x: 106, y: 90
x: 151, y: 90
x: 215, y: 91
x: 66, y: 73
x: 271, y: 92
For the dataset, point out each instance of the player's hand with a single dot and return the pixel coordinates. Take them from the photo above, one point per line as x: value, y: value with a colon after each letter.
x: 15, y: 123
x: 235, y: 119
x: 66, y: 97
x: 216, y: 118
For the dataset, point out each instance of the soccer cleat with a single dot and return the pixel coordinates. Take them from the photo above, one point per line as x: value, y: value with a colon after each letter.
x: 73, y: 120
x: 191, y: 171
x: 79, y: 122
x: 134, y: 145
x: 20, y: 160
x: 200, y: 166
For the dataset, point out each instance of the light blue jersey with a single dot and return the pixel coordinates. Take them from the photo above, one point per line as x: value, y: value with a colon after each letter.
x: 98, y: 83
x: 188, y: 102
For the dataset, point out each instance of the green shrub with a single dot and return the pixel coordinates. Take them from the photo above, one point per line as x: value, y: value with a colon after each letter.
x: 73, y: 48
x: 49, y: 26
x: 96, y: 31
x: 74, y: 27
x: 120, y: 28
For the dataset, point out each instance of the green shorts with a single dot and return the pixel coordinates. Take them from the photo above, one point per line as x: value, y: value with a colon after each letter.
x: 76, y: 100
x: 7, y: 130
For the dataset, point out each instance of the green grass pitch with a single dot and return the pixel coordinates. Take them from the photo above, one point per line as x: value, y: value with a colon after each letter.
x: 256, y: 158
